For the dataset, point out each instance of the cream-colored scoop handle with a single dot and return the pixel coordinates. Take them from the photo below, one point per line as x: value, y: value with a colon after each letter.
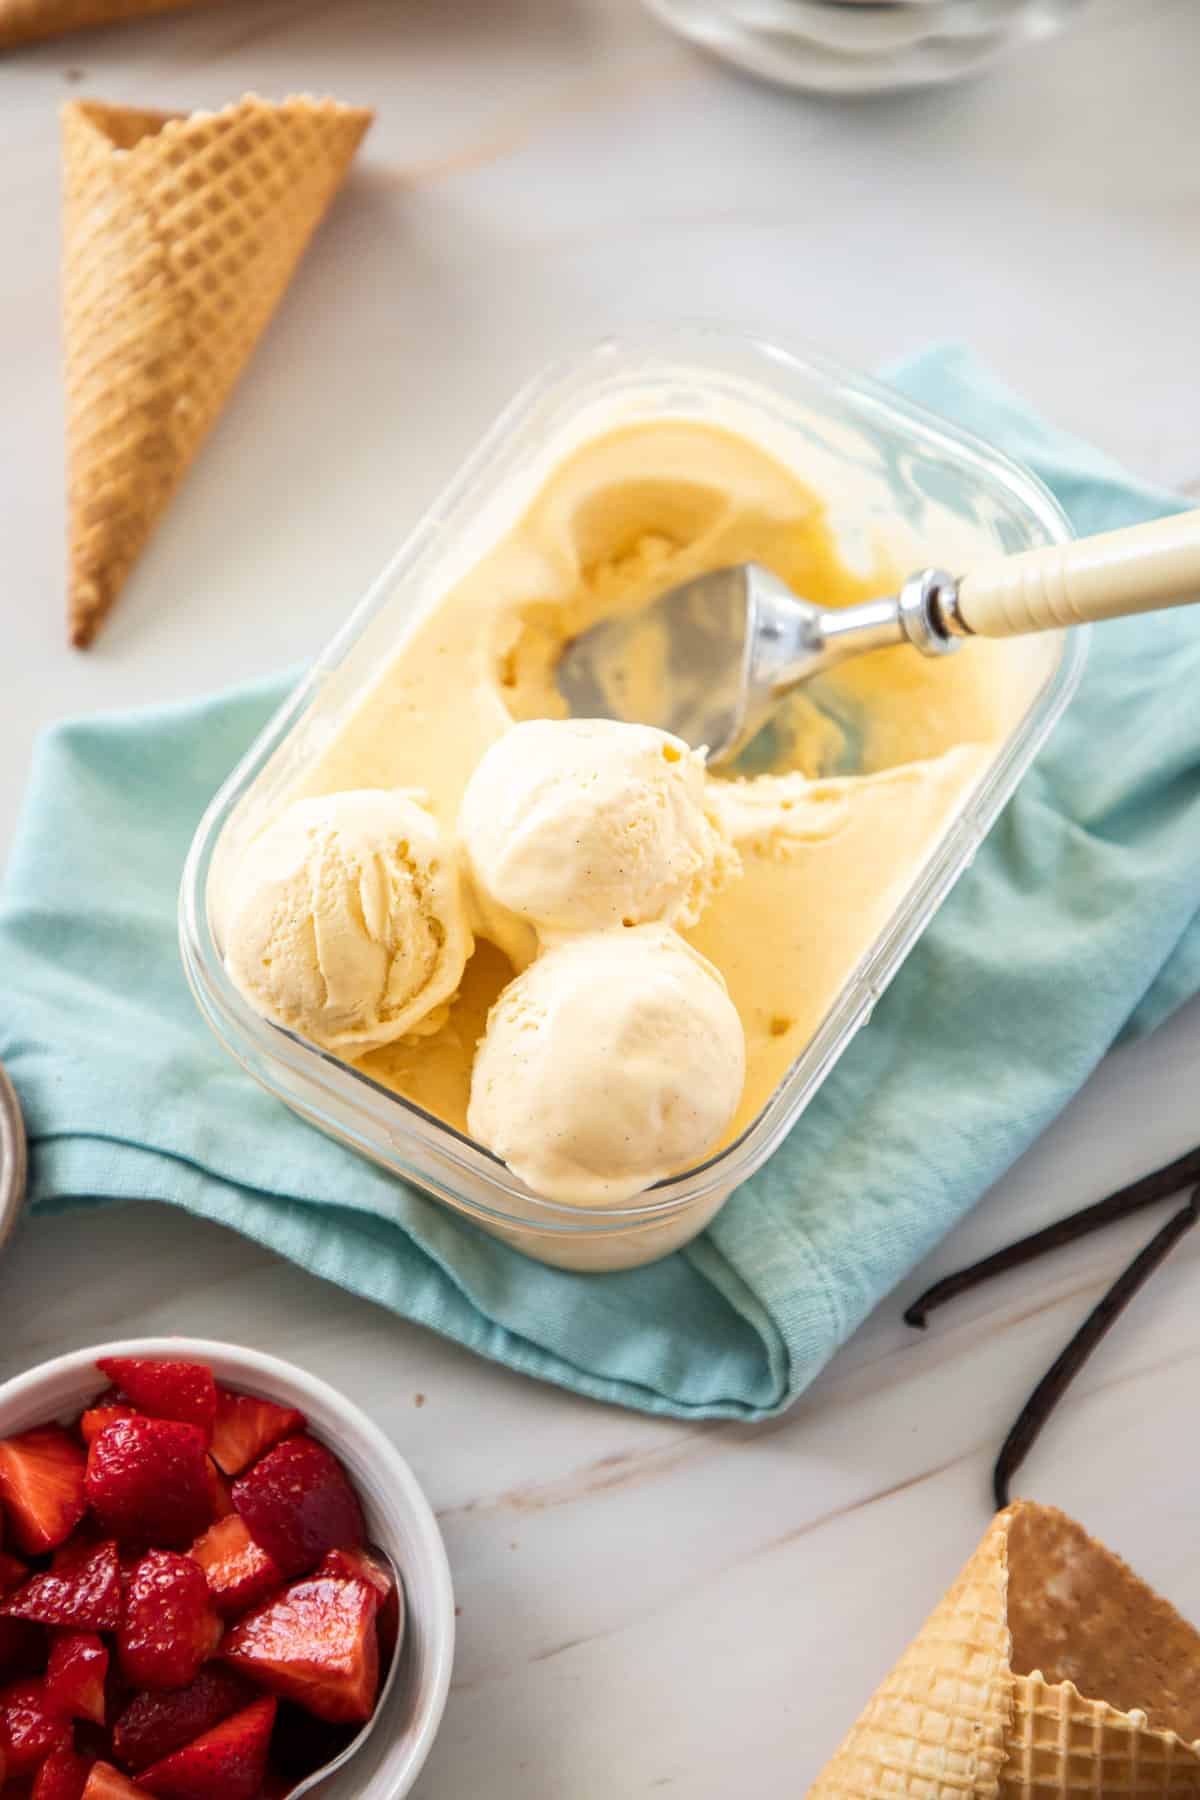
x: 1141, y: 569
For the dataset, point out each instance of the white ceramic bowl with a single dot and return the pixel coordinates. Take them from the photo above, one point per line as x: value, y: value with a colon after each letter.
x: 398, y: 1518
x: 832, y: 47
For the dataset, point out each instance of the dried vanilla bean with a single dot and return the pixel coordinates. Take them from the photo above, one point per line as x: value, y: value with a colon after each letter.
x: 1058, y: 1378
x: 1146, y: 1191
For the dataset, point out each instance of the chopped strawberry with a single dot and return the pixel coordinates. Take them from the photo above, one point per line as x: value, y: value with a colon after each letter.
x: 315, y: 1643
x: 30, y: 1728
x: 357, y: 1565
x: 169, y: 1627
x: 147, y: 1479
x: 166, y: 1390
x: 101, y: 1414
x: 13, y: 1574
x: 76, y: 1674
x: 246, y: 1427
x: 22, y: 1649
x: 360, y: 1563
x: 298, y: 1504
x: 42, y: 1487
x: 63, y: 1776
x: 107, y: 1783
x: 220, y: 1491
x: 239, y: 1574
x: 154, y: 1725
x: 82, y: 1592
x: 226, y: 1763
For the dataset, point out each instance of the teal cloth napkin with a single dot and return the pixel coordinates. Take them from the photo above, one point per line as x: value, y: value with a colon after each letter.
x: 1079, y: 922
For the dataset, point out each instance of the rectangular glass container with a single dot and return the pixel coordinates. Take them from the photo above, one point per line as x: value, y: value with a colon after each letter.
x: 884, y: 468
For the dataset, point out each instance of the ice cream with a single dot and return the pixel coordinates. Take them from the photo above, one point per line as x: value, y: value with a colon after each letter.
x: 345, y: 921
x: 582, y: 824
x: 617, y: 1058
x: 868, y: 767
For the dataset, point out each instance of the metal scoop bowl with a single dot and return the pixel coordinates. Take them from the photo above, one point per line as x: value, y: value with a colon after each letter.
x: 730, y: 646
x: 710, y: 660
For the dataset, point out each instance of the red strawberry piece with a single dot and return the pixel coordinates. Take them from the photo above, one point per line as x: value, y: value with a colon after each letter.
x: 226, y: 1763
x: 13, y: 1574
x: 42, y: 1487
x: 76, y: 1674
x: 246, y: 1427
x: 63, y: 1776
x: 30, y: 1727
x: 154, y: 1725
x: 314, y: 1643
x: 298, y: 1504
x: 107, y: 1783
x: 357, y: 1565
x: 82, y: 1592
x: 103, y: 1413
x: 147, y: 1479
x: 239, y: 1574
x: 360, y: 1563
x: 169, y: 1627
x: 220, y: 1491
x: 166, y: 1390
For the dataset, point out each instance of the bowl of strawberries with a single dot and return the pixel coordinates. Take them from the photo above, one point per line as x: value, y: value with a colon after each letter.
x: 215, y: 1575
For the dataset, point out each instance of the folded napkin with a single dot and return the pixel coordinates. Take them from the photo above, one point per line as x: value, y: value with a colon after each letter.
x: 1079, y: 921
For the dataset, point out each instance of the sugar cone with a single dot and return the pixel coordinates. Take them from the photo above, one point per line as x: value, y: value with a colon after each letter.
x: 1021, y: 1686
x: 24, y: 21
x: 181, y: 234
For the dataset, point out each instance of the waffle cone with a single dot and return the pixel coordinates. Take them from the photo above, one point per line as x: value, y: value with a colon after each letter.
x: 1048, y: 1670
x: 181, y: 234
x: 24, y: 21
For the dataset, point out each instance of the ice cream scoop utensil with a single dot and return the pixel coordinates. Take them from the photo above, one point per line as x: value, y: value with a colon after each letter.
x: 730, y: 645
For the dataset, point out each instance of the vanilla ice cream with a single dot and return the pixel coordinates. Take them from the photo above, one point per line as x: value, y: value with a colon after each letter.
x: 869, y: 768
x: 616, y: 1059
x: 581, y: 824
x: 345, y: 920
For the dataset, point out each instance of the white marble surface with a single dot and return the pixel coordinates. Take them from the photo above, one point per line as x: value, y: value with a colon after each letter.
x: 644, y: 1606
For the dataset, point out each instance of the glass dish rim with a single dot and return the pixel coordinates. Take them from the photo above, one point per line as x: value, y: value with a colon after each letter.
x: 250, y: 1039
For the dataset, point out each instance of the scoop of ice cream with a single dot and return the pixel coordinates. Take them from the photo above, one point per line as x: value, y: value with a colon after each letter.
x: 579, y: 824
x: 345, y: 920
x: 615, y: 1059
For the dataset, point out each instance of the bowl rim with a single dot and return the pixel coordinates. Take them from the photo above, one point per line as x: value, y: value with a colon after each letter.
x: 260, y: 1364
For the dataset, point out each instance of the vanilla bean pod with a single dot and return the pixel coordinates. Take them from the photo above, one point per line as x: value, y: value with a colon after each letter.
x: 1146, y: 1191
x: 1061, y: 1374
